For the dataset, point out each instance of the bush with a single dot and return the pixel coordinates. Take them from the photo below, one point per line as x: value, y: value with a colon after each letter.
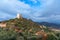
x: 7, y: 35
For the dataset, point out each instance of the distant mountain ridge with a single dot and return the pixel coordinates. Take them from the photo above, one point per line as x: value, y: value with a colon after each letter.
x: 53, y: 25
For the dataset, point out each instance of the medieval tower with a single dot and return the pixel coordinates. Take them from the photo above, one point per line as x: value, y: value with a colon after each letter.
x: 19, y: 16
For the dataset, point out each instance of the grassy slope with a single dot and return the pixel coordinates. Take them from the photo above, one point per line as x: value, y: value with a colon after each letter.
x: 25, y: 25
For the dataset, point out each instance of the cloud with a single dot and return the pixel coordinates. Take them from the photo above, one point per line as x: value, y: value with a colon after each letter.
x: 11, y: 7
x: 49, y: 11
x: 38, y: 10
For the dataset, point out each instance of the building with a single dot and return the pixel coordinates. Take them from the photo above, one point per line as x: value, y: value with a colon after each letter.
x: 19, y: 16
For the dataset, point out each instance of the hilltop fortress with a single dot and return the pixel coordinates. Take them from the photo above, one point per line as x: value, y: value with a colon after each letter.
x: 19, y: 16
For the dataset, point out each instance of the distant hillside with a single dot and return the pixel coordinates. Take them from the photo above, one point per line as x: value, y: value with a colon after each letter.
x: 53, y: 25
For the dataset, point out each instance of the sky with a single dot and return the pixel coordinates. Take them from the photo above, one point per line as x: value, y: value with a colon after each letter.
x: 36, y: 10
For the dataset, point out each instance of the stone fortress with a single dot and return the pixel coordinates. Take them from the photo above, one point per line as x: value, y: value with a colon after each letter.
x: 19, y: 16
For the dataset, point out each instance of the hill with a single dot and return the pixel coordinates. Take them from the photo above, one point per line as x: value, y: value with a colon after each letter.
x: 26, y: 29
x: 25, y: 24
